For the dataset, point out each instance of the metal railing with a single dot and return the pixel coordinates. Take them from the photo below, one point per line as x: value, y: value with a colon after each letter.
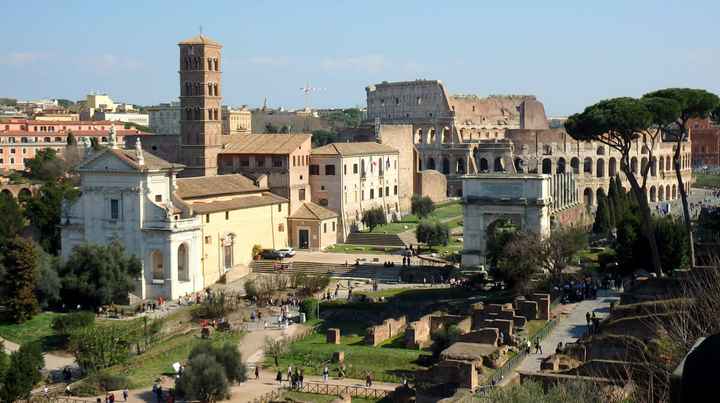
x: 270, y: 396
x: 338, y: 390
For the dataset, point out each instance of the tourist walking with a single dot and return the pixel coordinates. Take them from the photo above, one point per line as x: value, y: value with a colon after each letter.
x: 278, y: 377
x: 368, y: 380
x: 126, y: 394
x: 257, y: 371
x: 538, y: 346
x: 325, y: 374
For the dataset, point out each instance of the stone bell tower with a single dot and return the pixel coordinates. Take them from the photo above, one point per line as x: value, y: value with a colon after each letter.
x: 200, y: 104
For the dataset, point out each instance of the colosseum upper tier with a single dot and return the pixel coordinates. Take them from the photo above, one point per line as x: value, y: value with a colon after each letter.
x: 468, y: 134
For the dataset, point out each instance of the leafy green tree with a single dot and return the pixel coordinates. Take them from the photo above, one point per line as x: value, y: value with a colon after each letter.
x: 373, y: 217
x: 44, y: 211
x: 285, y: 129
x: 64, y: 326
x: 48, y: 285
x: 11, y: 218
x: 602, y: 224
x: 204, y: 380
x: 692, y: 103
x: 65, y: 103
x: 323, y: 137
x: 519, y: 261
x: 620, y: 123
x: 226, y: 355
x: 71, y: 140
x: 310, y: 308
x: 271, y: 128
x: 20, y: 272
x: 96, y: 275
x: 499, y: 233
x: 432, y: 233
x: 99, y: 347
x: 670, y: 233
x: 560, y: 247
x: 24, y: 373
x: 46, y: 165
x: 422, y: 206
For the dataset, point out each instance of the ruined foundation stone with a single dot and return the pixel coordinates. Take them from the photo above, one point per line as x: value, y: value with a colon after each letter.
x: 333, y: 336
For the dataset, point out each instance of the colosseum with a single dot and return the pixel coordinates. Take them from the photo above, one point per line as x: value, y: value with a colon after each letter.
x: 468, y: 134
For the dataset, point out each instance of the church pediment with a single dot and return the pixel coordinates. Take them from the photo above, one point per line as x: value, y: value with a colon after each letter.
x: 107, y: 161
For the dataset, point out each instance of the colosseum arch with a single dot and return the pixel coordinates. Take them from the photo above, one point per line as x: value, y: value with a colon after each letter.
x: 661, y: 193
x: 674, y: 192
x: 668, y: 166
x: 653, y: 166
x: 560, y: 166
x: 419, y: 136
x: 600, y: 171
x: 431, y: 163
x: 587, y: 166
x: 653, y: 194
x: 499, y: 165
x: 483, y: 165
x: 599, y: 193
x: 643, y: 164
x: 7, y: 193
x: 575, y: 165
x: 446, y: 135
x: 547, y: 166
x: 460, y: 166
x: 519, y: 165
x: 24, y: 195
x: 634, y: 165
x: 445, y: 165
x: 667, y: 192
x: 601, y: 150
x: 431, y: 136
x: 612, y: 167
x: 588, y: 197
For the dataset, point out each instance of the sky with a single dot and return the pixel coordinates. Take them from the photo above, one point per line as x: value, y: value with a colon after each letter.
x: 567, y: 53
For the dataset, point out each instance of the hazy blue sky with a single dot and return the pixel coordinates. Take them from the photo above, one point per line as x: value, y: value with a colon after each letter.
x: 568, y: 53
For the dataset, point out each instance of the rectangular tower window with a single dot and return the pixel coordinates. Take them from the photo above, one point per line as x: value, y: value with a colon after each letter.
x: 301, y: 194
x: 114, y: 209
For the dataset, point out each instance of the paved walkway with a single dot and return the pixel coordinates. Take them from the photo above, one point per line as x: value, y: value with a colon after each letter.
x: 572, y: 326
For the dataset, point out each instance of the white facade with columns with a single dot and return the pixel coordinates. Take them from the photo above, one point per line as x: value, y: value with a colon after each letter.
x: 128, y: 196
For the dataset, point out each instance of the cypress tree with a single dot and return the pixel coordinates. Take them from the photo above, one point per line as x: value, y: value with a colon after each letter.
x: 602, y: 223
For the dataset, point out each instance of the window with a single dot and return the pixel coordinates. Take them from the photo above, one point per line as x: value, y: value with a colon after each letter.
x: 277, y: 162
x: 324, y: 228
x: 260, y: 161
x: 279, y: 208
x: 228, y: 242
x: 12, y: 151
x: 314, y: 169
x: 281, y: 227
x: 323, y: 202
x: 207, y: 217
x: 372, y: 194
x: 157, y: 265
x: 244, y: 161
x: 362, y: 195
x: 345, y: 169
x: 183, y: 272
x: 395, y: 189
x: 387, y: 190
x: 355, y: 168
x: 301, y: 194
x: 380, y: 192
x: 227, y: 215
x: 330, y: 170
x: 208, y: 240
x: 158, y: 198
x: 114, y: 209
x: 333, y: 226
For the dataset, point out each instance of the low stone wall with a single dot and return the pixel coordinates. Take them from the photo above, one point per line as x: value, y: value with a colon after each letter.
x: 488, y: 335
x: 386, y: 330
x: 543, y: 303
x: 462, y: 373
x: 445, y: 321
x: 417, y: 333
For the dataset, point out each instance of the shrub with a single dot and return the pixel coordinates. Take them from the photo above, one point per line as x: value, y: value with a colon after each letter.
x: 256, y: 250
x: 66, y: 324
x: 203, y: 380
x: 251, y: 289
x: 373, y: 217
x: 226, y: 355
x: 99, y: 347
x: 432, y: 233
x: 105, y: 382
x: 422, y: 206
x: 26, y: 364
x: 219, y: 305
x: 310, y: 308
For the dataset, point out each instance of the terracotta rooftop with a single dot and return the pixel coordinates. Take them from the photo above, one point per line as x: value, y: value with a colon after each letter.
x: 199, y: 40
x: 238, y: 203
x: 349, y: 149
x: 211, y: 186
x: 280, y: 144
x: 312, y: 211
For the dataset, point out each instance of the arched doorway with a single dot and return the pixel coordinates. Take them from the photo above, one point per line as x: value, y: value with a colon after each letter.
x: 653, y: 194
x: 431, y: 163
x: 446, y: 166
x: 587, y: 166
x: 612, y: 167
x: 600, y: 171
x: 460, y: 166
x: 560, y: 166
x: 228, y: 256
x: 661, y: 193
x: 667, y: 192
x: 588, y: 197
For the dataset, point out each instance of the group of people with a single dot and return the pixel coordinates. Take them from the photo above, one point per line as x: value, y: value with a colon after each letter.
x: 110, y: 397
x: 160, y: 395
x: 593, y: 323
x: 295, y: 379
x: 576, y: 291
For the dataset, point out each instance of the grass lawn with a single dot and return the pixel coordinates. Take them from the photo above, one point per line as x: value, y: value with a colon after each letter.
x: 142, y: 370
x: 706, y: 180
x: 36, y: 329
x: 420, y: 294
x: 533, y: 326
x: 388, y: 363
x: 445, y: 211
x: 315, y: 398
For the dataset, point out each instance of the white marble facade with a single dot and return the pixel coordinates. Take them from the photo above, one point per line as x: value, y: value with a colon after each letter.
x: 129, y: 198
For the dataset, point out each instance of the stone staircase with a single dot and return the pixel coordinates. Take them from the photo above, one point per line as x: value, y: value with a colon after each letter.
x: 373, y: 239
x: 367, y: 271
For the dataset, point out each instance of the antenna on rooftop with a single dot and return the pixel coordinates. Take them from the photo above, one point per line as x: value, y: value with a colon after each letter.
x: 308, y: 90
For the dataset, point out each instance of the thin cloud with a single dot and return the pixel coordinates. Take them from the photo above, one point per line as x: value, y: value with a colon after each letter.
x: 22, y: 58
x: 269, y: 60
x: 108, y: 62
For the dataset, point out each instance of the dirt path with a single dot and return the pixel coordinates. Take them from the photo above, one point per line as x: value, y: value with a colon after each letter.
x: 54, y: 360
